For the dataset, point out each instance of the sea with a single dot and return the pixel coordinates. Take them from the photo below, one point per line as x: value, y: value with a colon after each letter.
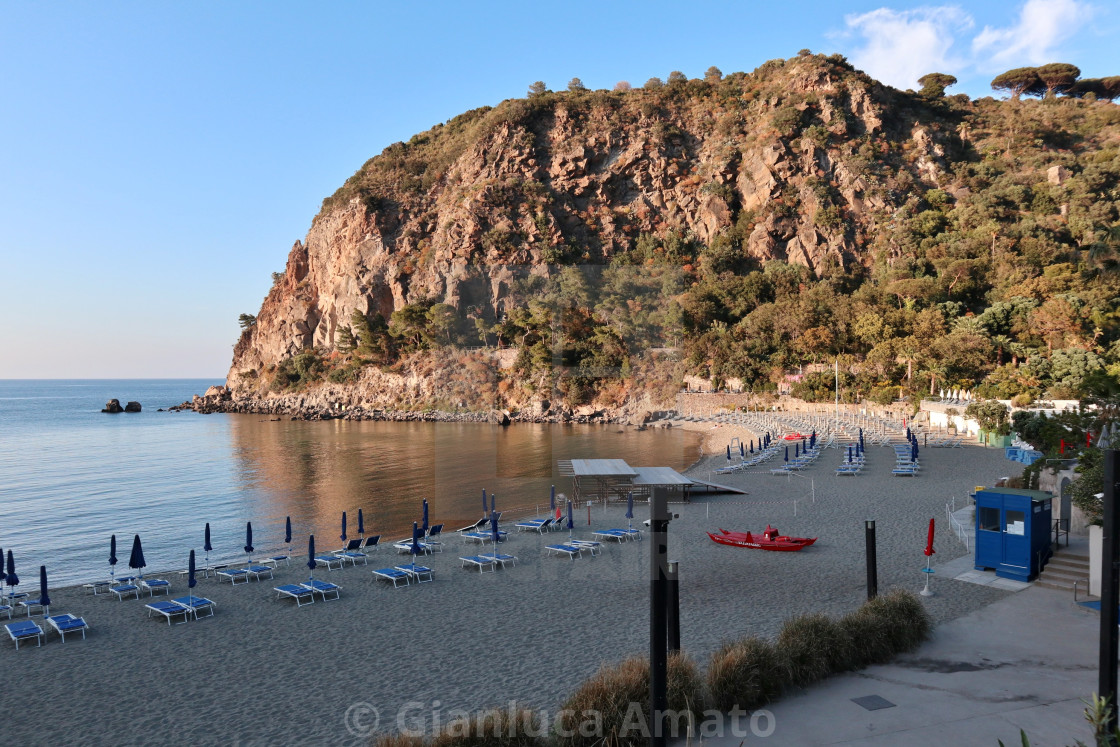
x: 71, y: 477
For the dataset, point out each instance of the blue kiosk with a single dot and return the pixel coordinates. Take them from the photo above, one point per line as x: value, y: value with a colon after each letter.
x: 1012, y: 531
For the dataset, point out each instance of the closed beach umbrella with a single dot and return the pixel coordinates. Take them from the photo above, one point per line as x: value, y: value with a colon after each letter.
x: 424, y: 518
x: 249, y: 539
x: 729, y: 452
x: 2, y: 574
x: 796, y: 450
x: 803, y: 443
x: 485, y: 506
x: 929, y: 540
x: 136, y: 559
x: 191, y: 580
x: 493, y: 502
x: 571, y: 525
x: 12, y: 579
x: 44, y: 599
x: 361, y: 525
x: 787, y: 453
x: 343, y: 535
x: 311, y: 554
x: 206, y: 546
x: 495, y: 535
x: 849, y: 452
x: 752, y: 445
x: 630, y: 509
x: 914, y: 451
x: 288, y: 533
x: 112, y: 557
x: 414, y: 549
x: 742, y: 451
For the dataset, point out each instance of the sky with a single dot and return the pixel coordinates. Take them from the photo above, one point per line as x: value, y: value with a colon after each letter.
x: 158, y: 160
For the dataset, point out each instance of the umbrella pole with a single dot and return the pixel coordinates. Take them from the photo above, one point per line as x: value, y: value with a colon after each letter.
x: 927, y: 570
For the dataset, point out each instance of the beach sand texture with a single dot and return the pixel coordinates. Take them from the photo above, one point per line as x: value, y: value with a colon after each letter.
x: 263, y: 672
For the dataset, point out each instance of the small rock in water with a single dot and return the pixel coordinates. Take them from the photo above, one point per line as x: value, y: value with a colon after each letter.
x: 113, y: 406
x: 132, y: 407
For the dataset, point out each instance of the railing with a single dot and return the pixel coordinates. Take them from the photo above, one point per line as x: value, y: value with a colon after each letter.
x: 955, y: 525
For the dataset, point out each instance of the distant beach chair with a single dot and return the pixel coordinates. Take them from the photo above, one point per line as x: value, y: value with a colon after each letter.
x: 275, y: 560
x: 5, y: 608
x: 498, y: 557
x: 534, y: 525
x: 322, y: 588
x: 34, y: 607
x: 99, y: 586
x: 471, y: 527
x: 330, y: 561
x: 392, y: 574
x: 405, y: 546
x: 435, y: 531
x: 123, y: 590
x: 297, y: 592
x: 353, y: 552
x: 23, y: 630
x: 196, y: 604
x: 152, y: 584
x: 168, y: 609
x: 904, y: 471
x: 419, y: 573
x: 615, y: 534
x: 259, y: 571
x: 371, y: 542
x: 480, y: 562
x: 571, y: 551
x: 480, y: 537
x: 67, y: 623
x: 595, y: 548
x: 233, y: 575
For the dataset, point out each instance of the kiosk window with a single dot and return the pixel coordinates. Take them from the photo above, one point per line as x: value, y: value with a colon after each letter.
x: 1016, y: 522
x: 989, y: 519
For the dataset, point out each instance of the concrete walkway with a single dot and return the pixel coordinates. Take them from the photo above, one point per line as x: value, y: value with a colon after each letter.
x: 1024, y: 662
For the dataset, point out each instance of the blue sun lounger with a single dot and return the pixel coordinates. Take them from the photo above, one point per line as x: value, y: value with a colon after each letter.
x: 330, y: 561
x: 67, y: 623
x: 500, y: 558
x: 322, y: 588
x: 168, y: 609
x: 417, y: 573
x: 151, y: 584
x: 296, y: 592
x: 479, y: 561
x: 233, y: 574
x: 614, y: 534
x: 257, y: 571
x: 23, y: 630
x: 534, y: 525
x: 392, y: 574
x: 196, y: 604
x: 571, y: 551
x: 405, y: 546
x: 123, y: 590
x: 595, y: 548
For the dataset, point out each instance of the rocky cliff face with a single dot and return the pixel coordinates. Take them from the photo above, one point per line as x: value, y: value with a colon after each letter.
x: 463, y: 210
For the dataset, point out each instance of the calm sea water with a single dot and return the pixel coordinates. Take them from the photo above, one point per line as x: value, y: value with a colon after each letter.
x: 71, y: 476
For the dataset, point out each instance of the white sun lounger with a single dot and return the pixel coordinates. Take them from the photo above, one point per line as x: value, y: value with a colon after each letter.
x: 234, y: 574
x: 595, y: 548
x: 392, y: 574
x: 480, y: 562
x: 297, y: 592
x: 196, y: 604
x: 168, y: 609
x: 322, y: 588
x: 67, y: 623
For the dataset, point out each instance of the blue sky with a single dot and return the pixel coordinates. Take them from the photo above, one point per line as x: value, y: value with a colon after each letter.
x: 159, y: 160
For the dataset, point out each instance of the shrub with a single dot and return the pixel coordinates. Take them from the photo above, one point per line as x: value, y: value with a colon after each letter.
x: 870, y: 637
x: 614, y: 691
x: 908, y: 623
x: 747, y: 673
x: 813, y: 647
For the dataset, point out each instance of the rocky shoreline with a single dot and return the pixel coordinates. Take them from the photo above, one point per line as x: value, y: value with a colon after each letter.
x: 317, y: 406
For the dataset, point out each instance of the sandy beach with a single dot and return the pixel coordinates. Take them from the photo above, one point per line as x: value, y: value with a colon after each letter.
x: 263, y: 672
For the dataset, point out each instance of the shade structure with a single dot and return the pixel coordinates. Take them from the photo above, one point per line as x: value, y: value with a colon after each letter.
x: 2, y: 574
x: 191, y: 580
x: 206, y: 546
x: 424, y: 519
x: 249, y: 540
x: 44, y: 598
x: 361, y: 524
x: 929, y: 540
x: 485, y: 505
x: 495, y: 535
x: 288, y: 530
x: 12, y: 580
x: 343, y: 535
x: 136, y: 558
x: 112, y: 557
x: 630, y: 509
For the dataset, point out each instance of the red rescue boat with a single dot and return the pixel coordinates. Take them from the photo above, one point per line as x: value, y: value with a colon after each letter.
x: 768, y: 540
x: 794, y: 436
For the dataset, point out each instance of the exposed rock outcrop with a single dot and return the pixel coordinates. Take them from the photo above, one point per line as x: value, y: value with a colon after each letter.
x: 132, y: 407
x: 113, y: 406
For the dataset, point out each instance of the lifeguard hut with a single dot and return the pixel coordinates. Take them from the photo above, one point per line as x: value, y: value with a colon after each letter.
x: 1012, y: 531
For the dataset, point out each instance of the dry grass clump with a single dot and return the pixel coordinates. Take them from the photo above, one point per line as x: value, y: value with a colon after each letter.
x: 812, y: 647
x: 611, y: 708
x: 747, y: 673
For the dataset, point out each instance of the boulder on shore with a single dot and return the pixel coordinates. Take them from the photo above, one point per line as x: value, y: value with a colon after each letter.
x: 114, y: 406
x: 132, y: 407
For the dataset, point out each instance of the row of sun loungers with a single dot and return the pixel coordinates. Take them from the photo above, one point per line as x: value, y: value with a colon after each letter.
x: 25, y: 630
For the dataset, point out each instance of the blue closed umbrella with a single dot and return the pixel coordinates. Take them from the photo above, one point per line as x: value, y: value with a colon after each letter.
x: 136, y: 559
x: 311, y: 554
x: 914, y: 451
x: 206, y: 546
x: 191, y: 580
x: 424, y: 525
x: 44, y: 598
x: 752, y: 445
x: 729, y: 452
x: 288, y: 533
x: 571, y: 525
x: 787, y: 453
x: 112, y: 557
x: 796, y: 451
x: 495, y: 535
x: 361, y: 525
x: 493, y: 502
x: 2, y: 574
x: 249, y: 540
x: 485, y: 506
x: 343, y: 535
x: 849, y: 452
x: 742, y: 451
x: 414, y: 549
x: 12, y: 579
x: 803, y: 443
x: 630, y: 509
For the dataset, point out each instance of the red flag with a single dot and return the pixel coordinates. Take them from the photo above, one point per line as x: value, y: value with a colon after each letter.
x: 929, y: 540
x: 1088, y: 438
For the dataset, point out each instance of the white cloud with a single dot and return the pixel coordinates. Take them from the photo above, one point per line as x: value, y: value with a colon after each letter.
x: 1042, y: 26
x: 901, y: 46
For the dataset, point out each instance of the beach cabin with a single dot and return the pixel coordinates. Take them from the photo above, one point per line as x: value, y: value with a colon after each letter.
x: 1012, y: 531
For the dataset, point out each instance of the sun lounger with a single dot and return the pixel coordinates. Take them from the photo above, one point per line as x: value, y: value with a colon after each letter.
x: 482, y: 537
x: 24, y: 629
x: 477, y: 525
x: 275, y: 560
x: 352, y: 546
x: 500, y: 558
x: 480, y: 562
x: 613, y: 534
x: 571, y: 551
x: 233, y: 575
x: 4, y: 608
x: 32, y: 607
x: 152, y: 584
x: 533, y: 525
x: 297, y: 592
x: 392, y: 574
x: 196, y: 604
x: 168, y: 609
x: 420, y: 573
x: 371, y: 542
x: 353, y: 556
x: 595, y: 548
x: 330, y: 561
x: 404, y: 547
x: 67, y: 623
x: 322, y: 588
x: 435, y: 531
x: 634, y: 534
x: 98, y: 586
x: 123, y: 590
x: 258, y: 571
x: 904, y: 471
